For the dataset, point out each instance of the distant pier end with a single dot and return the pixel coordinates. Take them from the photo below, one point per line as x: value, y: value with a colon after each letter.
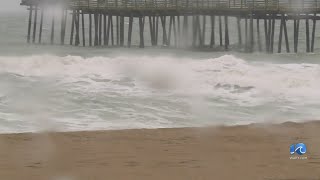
x: 260, y: 25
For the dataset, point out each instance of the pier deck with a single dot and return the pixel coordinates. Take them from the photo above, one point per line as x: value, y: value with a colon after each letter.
x: 166, y: 15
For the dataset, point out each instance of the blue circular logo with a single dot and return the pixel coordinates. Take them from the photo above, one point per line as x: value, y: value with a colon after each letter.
x: 301, y: 148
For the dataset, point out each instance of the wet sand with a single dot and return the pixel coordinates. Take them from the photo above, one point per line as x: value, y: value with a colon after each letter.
x: 240, y: 153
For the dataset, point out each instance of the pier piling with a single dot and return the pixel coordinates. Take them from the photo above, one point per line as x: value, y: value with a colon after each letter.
x: 41, y: 25
x: 258, y: 36
x: 164, y: 31
x: 141, y: 29
x: 280, y: 35
x: 212, y: 40
x: 117, y: 30
x: 96, y: 20
x: 90, y: 29
x: 100, y: 29
x: 251, y: 38
x: 226, y: 33
x: 83, y: 30
x: 121, y: 30
x: 105, y: 43
x: 239, y: 31
x: 313, y: 32
x: 176, y: 32
x: 111, y: 28
x: 77, y: 24
x: 29, y: 25
x: 272, y: 33
x: 286, y: 33
x: 52, y: 30
x: 157, y: 30
x: 220, y: 31
x: 72, y: 26
x: 35, y: 24
x: 203, y: 31
x: 108, y: 30
x: 130, y: 30
x: 307, y: 35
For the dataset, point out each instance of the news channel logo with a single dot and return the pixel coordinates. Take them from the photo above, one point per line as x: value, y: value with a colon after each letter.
x: 299, y: 149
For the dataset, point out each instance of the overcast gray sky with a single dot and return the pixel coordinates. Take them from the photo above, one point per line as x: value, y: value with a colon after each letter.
x: 10, y: 5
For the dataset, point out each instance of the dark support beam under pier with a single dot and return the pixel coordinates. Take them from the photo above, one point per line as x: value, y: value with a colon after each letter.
x: 63, y: 25
x: 269, y: 25
x: 90, y: 29
x: 258, y: 36
x: 29, y: 25
x: 121, y: 30
x: 77, y: 24
x: 41, y: 25
x: 220, y: 31
x: 96, y: 36
x: 239, y: 31
x: 108, y: 30
x: 141, y: 29
x: 266, y: 33
x: 272, y: 34
x: 151, y: 23
x: 83, y: 30
x: 198, y: 26
x: 117, y: 30
x: 52, y: 30
x: 157, y: 30
x: 212, y: 40
x: 226, y: 33
x: 296, y: 32
x: 100, y: 29
x: 246, y: 34
x: 175, y: 32
x: 130, y: 30
x: 194, y: 31
x: 111, y: 28
x: 313, y: 34
x: 185, y: 32
x: 204, y: 22
x: 286, y: 33
x: 164, y: 31
x: 280, y: 35
x: 35, y: 24
x: 251, y: 38
x: 105, y: 41
x: 179, y: 31
x: 170, y: 30
x: 307, y: 36
x: 73, y: 21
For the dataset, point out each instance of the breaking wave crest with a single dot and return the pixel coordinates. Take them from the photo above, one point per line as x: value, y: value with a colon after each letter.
x: 75, y: 93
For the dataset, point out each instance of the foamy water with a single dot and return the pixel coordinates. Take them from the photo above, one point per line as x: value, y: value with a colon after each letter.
x: 77, y: 88
x: 45, y: 92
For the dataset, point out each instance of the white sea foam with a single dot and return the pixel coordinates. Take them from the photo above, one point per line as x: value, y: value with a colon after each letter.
x: 150, y: 92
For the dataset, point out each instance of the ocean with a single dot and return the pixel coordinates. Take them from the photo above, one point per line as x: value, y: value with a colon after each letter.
x: 64, y: 88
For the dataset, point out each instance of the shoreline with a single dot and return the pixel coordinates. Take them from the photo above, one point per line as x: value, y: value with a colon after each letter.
x: 54, y: 131
x: 256, y: 151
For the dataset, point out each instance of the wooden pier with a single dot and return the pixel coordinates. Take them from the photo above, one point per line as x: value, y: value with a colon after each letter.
x: 180, y: 23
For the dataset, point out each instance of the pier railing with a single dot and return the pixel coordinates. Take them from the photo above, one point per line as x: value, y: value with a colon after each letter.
x: 196, y: 4
x: 291, y: 5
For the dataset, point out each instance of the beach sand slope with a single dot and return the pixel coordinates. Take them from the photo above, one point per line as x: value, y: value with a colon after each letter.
x: 237, y: 153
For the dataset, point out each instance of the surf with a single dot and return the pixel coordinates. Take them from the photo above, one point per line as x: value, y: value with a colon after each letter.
x: 137, y: 91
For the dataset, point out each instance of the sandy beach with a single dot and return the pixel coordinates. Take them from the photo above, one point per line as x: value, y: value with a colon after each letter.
x: 239, y: 152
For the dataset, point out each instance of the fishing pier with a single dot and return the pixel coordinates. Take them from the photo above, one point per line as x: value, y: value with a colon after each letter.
x: 261, y: 25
